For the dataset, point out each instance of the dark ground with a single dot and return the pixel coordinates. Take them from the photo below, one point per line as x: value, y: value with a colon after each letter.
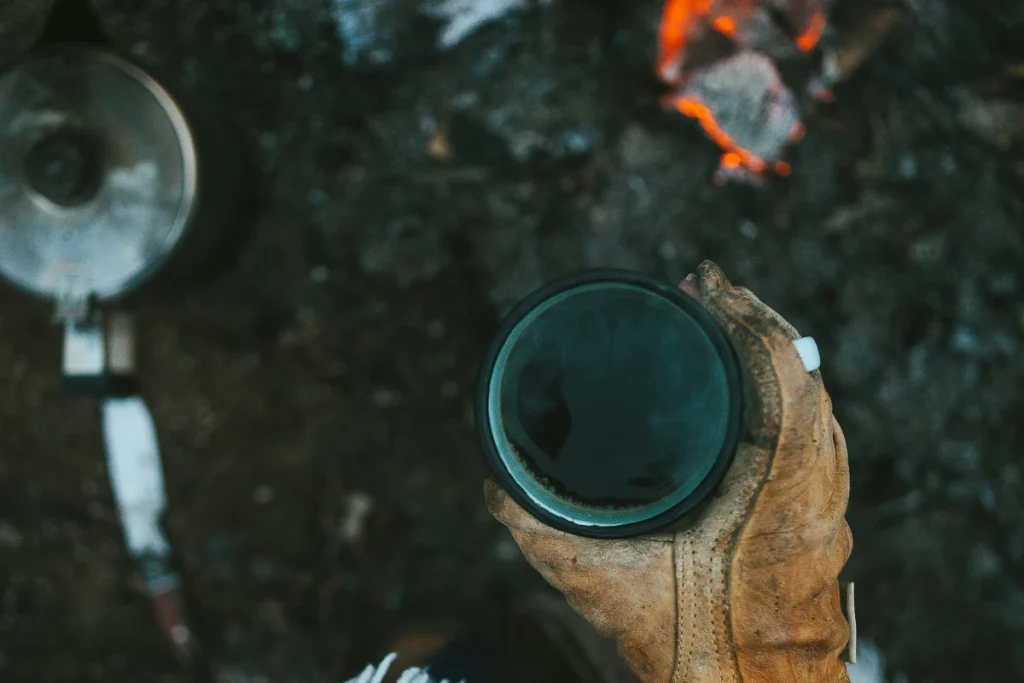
x: 337, y: 359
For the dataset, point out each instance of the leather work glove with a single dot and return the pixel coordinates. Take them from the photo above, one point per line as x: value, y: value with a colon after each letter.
x: 749, y: 592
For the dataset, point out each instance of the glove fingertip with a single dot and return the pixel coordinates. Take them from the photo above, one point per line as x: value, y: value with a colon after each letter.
x: 712, y: 278
x: 512, y: 515
x: 501, y: 506
x: 493, y: 493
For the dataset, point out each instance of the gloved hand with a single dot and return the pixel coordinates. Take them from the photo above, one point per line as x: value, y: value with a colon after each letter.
x: 749, y: 593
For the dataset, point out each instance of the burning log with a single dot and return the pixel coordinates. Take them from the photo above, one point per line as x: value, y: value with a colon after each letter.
x: 740, y: 100
x: 742, y: 104
x: 778, y: 28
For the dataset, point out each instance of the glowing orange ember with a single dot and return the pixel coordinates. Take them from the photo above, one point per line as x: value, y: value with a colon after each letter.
x: 809, y: 38
x: 733, y: 152
x: 677, y: 22
x: 725, y: 26
x: 677, y: 19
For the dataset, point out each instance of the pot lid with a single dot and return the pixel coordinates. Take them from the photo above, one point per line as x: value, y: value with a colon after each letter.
x: 97, y: 174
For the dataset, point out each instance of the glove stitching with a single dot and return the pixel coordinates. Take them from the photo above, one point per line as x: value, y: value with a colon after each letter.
x: 684, y: 563
x: 753, y: 487
x: 691, y: 567
x: 721, y: 607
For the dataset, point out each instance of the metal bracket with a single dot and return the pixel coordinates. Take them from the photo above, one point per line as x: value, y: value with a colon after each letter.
x: 99, y: 354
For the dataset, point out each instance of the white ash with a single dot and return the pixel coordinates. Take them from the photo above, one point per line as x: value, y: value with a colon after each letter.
x: 513, y: 120
x: 749, y: 101
x: 462, y: 18
x: 358, y: 508
x: 364, y: 31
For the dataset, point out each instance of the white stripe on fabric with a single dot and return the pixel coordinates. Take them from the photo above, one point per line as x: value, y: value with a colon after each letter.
x: 376, y: 674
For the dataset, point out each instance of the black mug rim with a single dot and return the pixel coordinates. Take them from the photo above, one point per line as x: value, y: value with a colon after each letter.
x: 734, y: 381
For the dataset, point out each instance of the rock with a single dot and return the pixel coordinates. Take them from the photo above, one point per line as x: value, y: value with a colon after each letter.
x: 639, y: 149
x: 352, y: 525
x: 406, y: 251
x: 961, y: 456
x: 10, y: 537
x: 742, y: 104
x: 998, y: 122
x: 283, y: 32
x: 20, y: 26
x: 366, y: 29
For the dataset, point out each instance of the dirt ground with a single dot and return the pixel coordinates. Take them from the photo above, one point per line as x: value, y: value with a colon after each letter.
x: 334, y: 363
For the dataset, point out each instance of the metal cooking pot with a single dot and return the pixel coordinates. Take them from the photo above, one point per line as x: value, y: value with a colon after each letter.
x: 103, y: 178
x: 105, y: 183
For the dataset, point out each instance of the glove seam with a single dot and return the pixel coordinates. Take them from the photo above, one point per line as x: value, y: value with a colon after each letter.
x: 758, y: 486
x: 679, y: 566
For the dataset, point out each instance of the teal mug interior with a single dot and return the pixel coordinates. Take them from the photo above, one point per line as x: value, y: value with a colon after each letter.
x: 609, y: 404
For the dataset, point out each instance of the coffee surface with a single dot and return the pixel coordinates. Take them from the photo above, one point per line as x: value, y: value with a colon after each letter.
x: 612, y: 395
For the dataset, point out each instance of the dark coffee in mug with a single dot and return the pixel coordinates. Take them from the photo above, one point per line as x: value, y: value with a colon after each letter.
x: 609, y: 404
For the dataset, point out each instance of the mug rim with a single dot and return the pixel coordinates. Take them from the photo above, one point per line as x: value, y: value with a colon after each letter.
x: 726, y: 354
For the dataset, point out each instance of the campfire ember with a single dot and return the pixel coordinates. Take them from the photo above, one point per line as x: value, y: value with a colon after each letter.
x: 742, y: 104
x: 739, y: 100
x: 808, y: 40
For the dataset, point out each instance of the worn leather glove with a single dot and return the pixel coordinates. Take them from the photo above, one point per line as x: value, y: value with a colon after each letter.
x: 749, y: 591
